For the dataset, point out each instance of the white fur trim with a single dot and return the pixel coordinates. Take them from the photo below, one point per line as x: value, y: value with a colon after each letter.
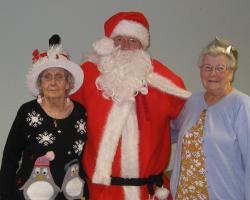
x: 133, y: 29
x: 130, y: 142
x: 130, y: 155
x: 166, y: 85
x: 131, y: 192
x: 108, y: 145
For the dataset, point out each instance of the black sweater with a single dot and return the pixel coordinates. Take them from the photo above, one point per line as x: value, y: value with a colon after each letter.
x: 32, y: 135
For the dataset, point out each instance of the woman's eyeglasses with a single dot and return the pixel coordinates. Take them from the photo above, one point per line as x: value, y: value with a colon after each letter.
x: 56, y: 77
x: 218, y: 68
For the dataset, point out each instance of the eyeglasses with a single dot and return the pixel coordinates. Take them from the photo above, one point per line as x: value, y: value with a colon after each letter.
x: 56, y: 77
x: 127, y: 43
x: 218, y: 68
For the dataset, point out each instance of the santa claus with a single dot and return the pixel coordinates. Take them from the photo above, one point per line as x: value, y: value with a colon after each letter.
x: 130, y: 99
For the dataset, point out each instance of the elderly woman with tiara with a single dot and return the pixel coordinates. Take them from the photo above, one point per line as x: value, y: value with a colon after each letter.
x: 41, y: 158
x: 212, y: 160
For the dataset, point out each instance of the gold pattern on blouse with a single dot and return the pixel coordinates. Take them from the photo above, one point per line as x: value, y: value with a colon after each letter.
x: 192, y: 182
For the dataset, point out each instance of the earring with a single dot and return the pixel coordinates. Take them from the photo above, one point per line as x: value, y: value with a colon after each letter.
x: 39, y: 99
x: 67, y: 100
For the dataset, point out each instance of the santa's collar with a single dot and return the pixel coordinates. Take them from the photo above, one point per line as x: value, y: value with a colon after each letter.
x: 165, y: 85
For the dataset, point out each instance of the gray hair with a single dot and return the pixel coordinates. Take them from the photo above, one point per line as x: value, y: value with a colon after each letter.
x: 218, y: 47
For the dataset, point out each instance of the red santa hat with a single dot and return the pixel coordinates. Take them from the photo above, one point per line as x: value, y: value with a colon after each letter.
x: 132, y: 24
x: 45, y: 159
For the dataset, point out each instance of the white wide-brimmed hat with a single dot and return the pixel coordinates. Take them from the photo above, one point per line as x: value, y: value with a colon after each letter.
x: 55, y: 56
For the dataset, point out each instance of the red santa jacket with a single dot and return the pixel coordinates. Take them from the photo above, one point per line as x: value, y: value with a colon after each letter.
x: 154, y: 112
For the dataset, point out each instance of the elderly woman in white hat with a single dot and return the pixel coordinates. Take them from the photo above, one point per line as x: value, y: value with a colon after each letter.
x: 45, y: 143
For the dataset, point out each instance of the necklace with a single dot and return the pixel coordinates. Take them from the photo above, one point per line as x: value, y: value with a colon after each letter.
x: 55, y: 123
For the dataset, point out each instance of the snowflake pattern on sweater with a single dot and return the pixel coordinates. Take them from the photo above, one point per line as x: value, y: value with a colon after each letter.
x: 34, y: 119
x: 45, y: 138
x: 34, y: 133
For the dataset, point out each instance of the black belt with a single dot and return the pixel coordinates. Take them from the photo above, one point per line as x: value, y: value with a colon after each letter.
x: 149, y: 181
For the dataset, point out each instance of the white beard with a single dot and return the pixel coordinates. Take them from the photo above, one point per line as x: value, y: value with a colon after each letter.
x: 123, y: 74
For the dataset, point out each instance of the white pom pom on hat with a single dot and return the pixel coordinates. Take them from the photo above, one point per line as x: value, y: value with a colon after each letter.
x: 104, y: 46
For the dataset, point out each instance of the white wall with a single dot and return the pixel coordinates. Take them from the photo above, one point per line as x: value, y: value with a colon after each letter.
x: 179, y: 29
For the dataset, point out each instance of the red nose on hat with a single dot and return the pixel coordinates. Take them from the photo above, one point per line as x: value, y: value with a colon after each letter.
x: 132, y: 24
